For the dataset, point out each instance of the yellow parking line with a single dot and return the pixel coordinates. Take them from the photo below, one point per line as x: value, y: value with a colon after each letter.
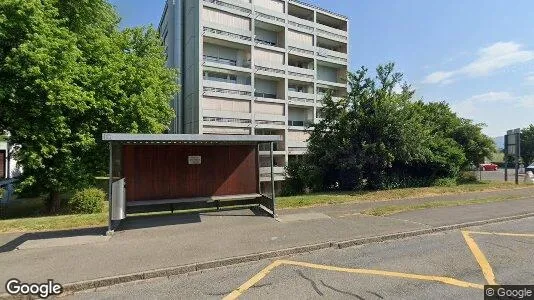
x: 481, y: 258
x: 446, y: 280
x: 252, y: 281
x: 256, y: 278
x: 503, y: 233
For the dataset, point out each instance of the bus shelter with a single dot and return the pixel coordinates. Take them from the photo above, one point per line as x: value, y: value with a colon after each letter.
x: 182, y: 171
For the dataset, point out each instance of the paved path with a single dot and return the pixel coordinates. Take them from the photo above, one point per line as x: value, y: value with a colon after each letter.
x: 148, y: 243
x: 437, y: 266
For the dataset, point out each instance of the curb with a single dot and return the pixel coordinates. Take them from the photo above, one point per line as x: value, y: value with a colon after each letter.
x: 401, y: 235
x: 184, y: 269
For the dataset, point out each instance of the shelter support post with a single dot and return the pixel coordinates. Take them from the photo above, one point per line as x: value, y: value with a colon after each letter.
x: 272, y: 178
x: 110, y: 188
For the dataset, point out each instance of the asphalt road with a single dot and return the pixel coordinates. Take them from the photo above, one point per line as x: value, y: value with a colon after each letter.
x: 449, y: 265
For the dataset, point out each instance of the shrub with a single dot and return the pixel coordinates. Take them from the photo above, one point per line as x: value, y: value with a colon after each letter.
x: 467, y: 178
x: 1, y: 193
x: 87, y: 201
x: 445, y: 182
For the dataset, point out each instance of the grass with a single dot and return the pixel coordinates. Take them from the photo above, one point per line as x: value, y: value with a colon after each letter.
x: 375, y: 196
x: 394, y: 209
x: 26, y: 215
x: 53, y: 223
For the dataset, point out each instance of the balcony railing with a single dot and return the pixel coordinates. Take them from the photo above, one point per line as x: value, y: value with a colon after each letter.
x: 230, y: 5
x: 302, y: 24
x: 269, y: 15
x: 276, y: 170
x: 226, y: 120
x: 276, y: 147
x: 331, y: 31
x: 227, y: 34
x: 333, y: 55
x: 227, y: 88
x: 224, y: 61
x: 300, y: 50
x: 331, y: 34
x: 267, y: 122
x: 301, y: 72
x: 272, y: 69
x: 299, y: 123
x: 219, y: 60
x: 265, y: 95
x: 226, y: 91
x: 301, y: 97
x: 265, y: 42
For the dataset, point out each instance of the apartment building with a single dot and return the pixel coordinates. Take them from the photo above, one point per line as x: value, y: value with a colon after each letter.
x: 254, y: 67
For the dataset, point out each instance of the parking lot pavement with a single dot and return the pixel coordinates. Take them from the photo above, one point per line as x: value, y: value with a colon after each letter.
x: 449, y: 265
x: 498, y: 175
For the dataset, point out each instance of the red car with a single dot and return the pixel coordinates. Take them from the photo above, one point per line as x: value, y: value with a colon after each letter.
x: 489, y: 167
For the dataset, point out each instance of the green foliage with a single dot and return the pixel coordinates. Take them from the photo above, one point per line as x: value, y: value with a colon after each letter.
x: 446, y: 182
x: 87, y: 201
x: 303, y: 176
x: 69, y: 74
x: 467, y: 177
x: 527, y: 144
x: 378, y: 138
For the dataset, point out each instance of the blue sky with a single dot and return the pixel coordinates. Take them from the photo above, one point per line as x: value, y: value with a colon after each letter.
x: 477, y: 55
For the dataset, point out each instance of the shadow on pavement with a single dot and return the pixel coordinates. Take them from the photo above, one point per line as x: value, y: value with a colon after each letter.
x: 135, y: 222
x: 150, y: 221
x: 13, y: 244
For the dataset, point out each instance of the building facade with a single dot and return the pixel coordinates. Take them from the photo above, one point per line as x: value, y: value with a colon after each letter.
x: 254, y: 67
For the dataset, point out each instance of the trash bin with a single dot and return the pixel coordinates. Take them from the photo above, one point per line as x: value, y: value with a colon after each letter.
x: 118, y: 201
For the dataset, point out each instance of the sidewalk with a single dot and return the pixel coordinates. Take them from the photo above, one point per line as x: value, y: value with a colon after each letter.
x: 147, y: 243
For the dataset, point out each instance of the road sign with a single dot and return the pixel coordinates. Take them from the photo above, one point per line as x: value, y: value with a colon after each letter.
x: 512, y: 147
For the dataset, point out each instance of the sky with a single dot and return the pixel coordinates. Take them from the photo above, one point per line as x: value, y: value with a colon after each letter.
x: 476, y: 55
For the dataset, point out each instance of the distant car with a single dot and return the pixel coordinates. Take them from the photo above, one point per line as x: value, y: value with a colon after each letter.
x: 530, y: 168
x: 489, y: 167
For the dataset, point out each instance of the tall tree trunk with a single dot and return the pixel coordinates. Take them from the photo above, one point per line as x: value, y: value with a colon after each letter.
x: 55, y: 202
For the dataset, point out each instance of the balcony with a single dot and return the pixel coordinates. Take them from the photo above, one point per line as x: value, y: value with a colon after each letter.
x: 227, y: 90
x: 301, y: 24
x: 301, y: 73
x: 334, y: 56
x: 295, y: 144
x: 278, y: 71
x: 226, y: 122
x: 300, y: 98
x: 266, y: 97
x: 266, y: 124
x: 296, y: 49
x: 277, y: 170
x: 270, y: 117
x: 239, y: 7
x: 227, y: 114
x: 270, y: 16
x: 277, y: 147
x: 217, y: 62
x: 339, y: 84
x: 332, y: 33
x: 237, y: 35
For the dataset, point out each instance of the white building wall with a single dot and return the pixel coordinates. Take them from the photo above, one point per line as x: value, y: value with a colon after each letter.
x: 226, y: 30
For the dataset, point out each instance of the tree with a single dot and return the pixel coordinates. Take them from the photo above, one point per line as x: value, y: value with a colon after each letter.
x: 69, y: 74
x: 527, y: 144
x: 379, y: 138
x: 364, y: 135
